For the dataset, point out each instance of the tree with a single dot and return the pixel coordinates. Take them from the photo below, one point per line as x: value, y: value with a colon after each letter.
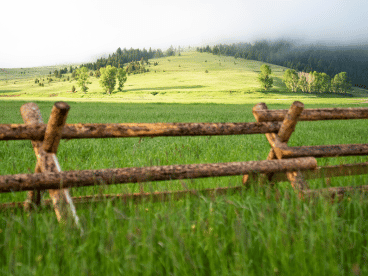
x: 170, y: 51
x: 121, y: 74
x: 82, y: 77
x: 303, y: 83
x: 264, y: 77
x: 325, y: 82
x: 108, y: 78
x: 340, y: 83
x: 141, y: 66
x: 315, y: 85
x: 291, y: 79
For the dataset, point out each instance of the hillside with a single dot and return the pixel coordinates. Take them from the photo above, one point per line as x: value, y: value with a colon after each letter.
x: 191, y: 77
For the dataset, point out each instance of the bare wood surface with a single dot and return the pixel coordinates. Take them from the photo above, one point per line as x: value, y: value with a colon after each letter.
x: 334, y: 192
x: 176, y: 195
x: 45, y: 152
x: 290, y: 121
x: 322, y: 151
x: 287, y: 128
x: 55, y: 127
x: 270, y: 137
x: 80, y: 131
x: 314, y: 114
x: 297, y: 180
x: 329, y: 171
x: 32, y: 116
x: 54, y: 180
x: 136, y: 197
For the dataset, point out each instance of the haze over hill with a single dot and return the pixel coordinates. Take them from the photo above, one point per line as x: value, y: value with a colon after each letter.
x: 41, y: 33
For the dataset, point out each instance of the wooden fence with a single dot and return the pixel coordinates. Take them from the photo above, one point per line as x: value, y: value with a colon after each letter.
x: 283, y: 163
x: 280, y: 150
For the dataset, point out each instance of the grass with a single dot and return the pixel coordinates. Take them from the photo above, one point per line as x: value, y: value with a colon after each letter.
x: 180, y: 79
x: 261, y: 231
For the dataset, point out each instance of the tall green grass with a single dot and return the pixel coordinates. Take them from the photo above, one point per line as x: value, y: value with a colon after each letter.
x: 261, y: 231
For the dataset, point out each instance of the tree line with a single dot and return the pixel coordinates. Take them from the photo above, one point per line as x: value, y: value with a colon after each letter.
x: 307, y: 82
x: 316, y: 82
x: 121, y: 57
x: 332, y: 60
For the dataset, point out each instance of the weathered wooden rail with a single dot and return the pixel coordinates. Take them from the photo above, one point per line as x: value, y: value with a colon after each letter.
x: 280, y: 150
x: 294, y: 164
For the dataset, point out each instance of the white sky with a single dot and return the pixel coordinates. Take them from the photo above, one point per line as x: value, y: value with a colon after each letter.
x: 38, y: 32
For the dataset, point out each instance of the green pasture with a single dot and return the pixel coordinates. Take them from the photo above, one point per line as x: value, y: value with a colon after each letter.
x: 260, y: 231
x: 190, y: 78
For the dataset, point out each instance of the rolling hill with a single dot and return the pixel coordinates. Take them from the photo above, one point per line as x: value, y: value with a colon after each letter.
x: 188, y: 78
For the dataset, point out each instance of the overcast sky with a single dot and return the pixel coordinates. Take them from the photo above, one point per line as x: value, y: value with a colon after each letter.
x: 38, y: 32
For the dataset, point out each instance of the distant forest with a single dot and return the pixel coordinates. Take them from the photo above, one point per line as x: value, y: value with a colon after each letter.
x: 328, y: 59
x: 120, y: 57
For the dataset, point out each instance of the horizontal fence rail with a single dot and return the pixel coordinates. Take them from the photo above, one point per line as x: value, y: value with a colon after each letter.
x: 43, y: 181
x: 314, y: 114
x: 79, y: 131
x: 328, y: 171
x: 324, y: 151
x: 338, y: 192
x: 293, y: 164
x: 176, y: 195
x: 136, y: 197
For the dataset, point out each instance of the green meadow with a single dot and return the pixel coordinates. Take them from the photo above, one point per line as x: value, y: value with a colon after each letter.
x: 190, y: 78
x: 260, y: 231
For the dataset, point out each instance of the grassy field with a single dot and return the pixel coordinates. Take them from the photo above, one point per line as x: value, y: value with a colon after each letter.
x: 260, y: 231
x: 181, y: 79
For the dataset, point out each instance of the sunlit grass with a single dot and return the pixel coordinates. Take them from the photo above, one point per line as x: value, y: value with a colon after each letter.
x: 177, y: 79
x: 260, y: 231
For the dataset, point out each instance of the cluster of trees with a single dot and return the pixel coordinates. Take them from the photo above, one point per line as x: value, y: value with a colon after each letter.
x: 307, y: 82
x: 59, y: 73
x: 316, y: 82
x: 137, y: 67
x: 120, y: 57
x: 331, y: 60
x: 108, y: 76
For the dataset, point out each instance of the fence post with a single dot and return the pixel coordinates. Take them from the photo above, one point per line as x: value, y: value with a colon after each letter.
x: 31, y: 115
x: 283, y: 136
x: 46, y: 155
x: 287, y: 128
x: 270, y: 137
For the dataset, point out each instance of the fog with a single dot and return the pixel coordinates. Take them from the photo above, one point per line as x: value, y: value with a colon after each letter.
x: 37, y: 33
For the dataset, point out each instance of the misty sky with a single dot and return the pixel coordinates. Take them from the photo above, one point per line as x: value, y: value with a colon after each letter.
x: 36, y: 33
